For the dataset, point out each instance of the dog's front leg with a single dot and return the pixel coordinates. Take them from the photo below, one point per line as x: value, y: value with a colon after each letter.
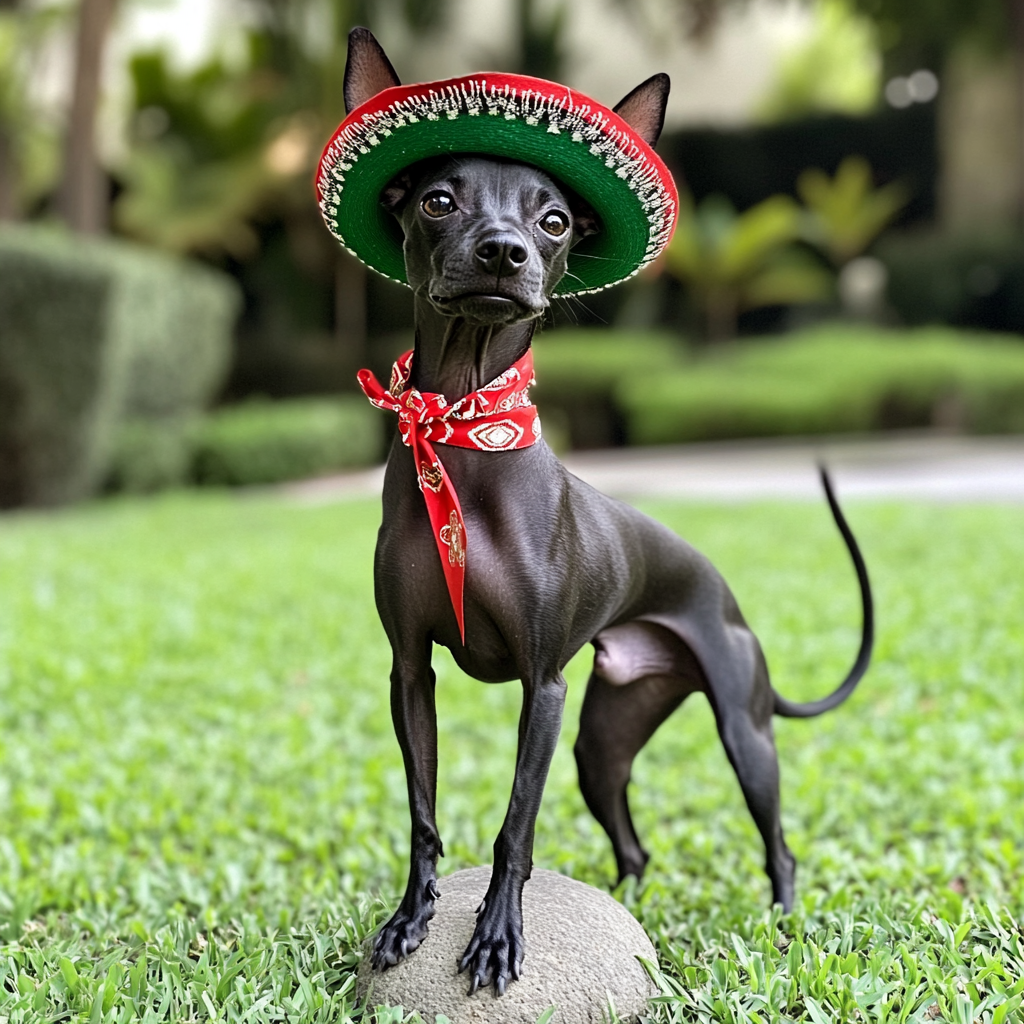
x: 415, y: 719
x: 496, y: 949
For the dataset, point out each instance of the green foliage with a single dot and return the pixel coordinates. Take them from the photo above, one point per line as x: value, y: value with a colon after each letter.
x: 263, y: 442
x: 541, y: 39
x: 152, y: 454
x: 61, y: 373
x: 734, y: 262
x: 90, y: 332
x: 589, y: 362
x: 202, y: 165
x: 836, y: 70
x: 975, y: 281
x: 28, y: 140
x: 830, y: 380
x: 578, y: 371
x: 178, y: 318
x: 847, y: 213
x: 220, y: 147
x: 218, y: 150
x: 929, y: 30
x: 204, y: 804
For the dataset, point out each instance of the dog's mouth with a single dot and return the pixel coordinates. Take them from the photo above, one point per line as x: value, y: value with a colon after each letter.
x: 484, y: 307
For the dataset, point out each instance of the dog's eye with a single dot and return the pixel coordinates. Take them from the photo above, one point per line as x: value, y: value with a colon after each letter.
x: 554, y: 223
x: 438, y: 204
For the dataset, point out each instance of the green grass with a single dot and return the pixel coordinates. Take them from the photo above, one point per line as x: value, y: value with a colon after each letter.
x: 202, y: 805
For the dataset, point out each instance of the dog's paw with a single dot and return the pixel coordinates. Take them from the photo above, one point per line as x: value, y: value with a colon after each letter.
x: 403, y: 933
x: 495, y: 953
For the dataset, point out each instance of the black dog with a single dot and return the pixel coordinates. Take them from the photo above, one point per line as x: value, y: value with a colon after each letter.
x: 554, y: 564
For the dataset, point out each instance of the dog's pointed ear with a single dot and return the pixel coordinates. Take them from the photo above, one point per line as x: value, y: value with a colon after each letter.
x: 367, y: 71
x: 397, y: 191
x: 584, y: 220
x: 644, y: 108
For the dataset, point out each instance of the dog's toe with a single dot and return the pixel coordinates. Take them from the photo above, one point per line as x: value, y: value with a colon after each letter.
x: 401, y: 936
x: 495, y: 953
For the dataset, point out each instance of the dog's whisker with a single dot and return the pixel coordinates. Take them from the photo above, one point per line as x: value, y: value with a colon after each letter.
x: 571, y: 300
x: 591, y: 256
x: 568, y: 310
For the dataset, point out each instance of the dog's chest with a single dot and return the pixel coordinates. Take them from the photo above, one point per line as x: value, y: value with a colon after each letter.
x: 518, y: 548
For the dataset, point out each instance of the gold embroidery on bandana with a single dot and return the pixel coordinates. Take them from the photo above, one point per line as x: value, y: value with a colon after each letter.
x: 451, y: 535
x: 430, y: 474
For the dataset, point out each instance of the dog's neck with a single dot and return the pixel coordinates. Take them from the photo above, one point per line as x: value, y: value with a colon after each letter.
x: 454, y: 357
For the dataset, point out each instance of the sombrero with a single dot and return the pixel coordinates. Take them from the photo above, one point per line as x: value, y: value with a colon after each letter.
x: 576, y: 140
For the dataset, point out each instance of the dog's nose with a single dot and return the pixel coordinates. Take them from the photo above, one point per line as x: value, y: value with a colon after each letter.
x: 501, y: 255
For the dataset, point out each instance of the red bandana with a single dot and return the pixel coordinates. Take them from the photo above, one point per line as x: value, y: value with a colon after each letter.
x: 497, y: 418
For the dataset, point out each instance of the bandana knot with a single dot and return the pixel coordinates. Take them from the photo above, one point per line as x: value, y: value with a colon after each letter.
x: 499, y: 417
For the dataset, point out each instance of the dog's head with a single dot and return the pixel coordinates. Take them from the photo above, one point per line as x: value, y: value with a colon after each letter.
x: 486, y: 239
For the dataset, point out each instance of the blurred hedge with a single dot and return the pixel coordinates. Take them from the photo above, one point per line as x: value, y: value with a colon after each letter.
x: 955, y: 280
x: 60, y: 376
x: 830, y: 380
x: 152, y: 454
x: 93, y: 332
x: 263, y: 441
x: 578, y: 371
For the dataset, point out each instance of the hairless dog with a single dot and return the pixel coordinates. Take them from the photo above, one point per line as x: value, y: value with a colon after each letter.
x: 553, y: 564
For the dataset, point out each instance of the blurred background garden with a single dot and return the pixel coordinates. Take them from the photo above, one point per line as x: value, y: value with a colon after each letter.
x: 202, y: 804
x: 849, y: 258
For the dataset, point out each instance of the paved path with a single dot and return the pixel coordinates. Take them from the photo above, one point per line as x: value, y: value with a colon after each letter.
x: 904, y: 466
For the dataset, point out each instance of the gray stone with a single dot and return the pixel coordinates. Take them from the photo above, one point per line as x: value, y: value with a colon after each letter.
x: 581, y: 950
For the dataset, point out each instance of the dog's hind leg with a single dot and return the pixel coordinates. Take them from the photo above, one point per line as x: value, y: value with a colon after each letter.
x: 741, y: 698
x: 642, y: 673
x: 724, y: 659
x: 615, y: 722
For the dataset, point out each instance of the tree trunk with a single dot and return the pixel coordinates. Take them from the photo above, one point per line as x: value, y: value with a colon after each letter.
x: 8, y: 177
x: 979, y: 142
x: 1016, y: 15
x: 82, y: 200
x: 721, y: 311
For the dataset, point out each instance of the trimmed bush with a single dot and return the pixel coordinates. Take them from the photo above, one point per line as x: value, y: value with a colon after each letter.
x: 263, y: 442
x: 93, y: 331
x: 833, y: 380
x: 152, y: 454
x: 578, y: 371
x: 61, y: 376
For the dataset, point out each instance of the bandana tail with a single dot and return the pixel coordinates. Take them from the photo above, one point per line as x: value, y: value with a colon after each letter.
x: 445, y: 514
x: 443, y: 508
x: 372, y: 388
x: 455, y: 572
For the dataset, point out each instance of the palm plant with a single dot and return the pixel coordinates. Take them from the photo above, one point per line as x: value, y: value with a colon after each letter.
x: 204, y: 161
x: 733, y: 262
x: 847, y: 212
x: 224, y: 153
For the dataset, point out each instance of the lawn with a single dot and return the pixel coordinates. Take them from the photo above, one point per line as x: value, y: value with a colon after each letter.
x: 202, y: 805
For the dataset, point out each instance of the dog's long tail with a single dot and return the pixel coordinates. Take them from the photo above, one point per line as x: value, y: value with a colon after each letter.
x: 790, y: 709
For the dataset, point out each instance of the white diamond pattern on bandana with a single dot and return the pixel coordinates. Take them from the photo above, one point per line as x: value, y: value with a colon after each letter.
x: 496, y: 437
